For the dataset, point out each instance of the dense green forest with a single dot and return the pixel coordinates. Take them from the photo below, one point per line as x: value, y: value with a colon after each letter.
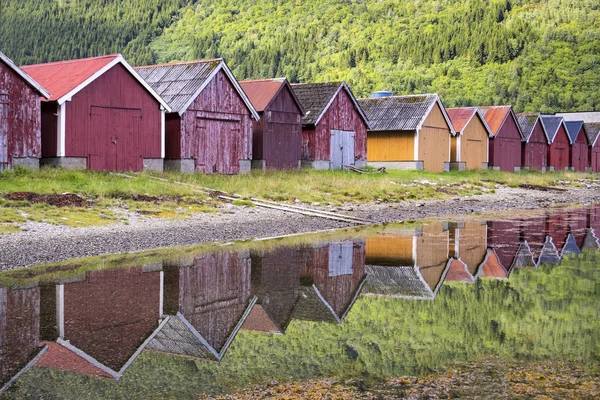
x: 536, y: 55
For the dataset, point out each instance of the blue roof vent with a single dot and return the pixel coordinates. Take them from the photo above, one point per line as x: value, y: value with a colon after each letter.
x: 381, y: 93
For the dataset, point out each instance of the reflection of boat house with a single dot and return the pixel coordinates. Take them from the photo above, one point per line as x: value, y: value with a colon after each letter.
x: 104, y: 319
x: 549, y: 253
x: 504, y: 239
x: 276, y: 283
x: 207, y: 299
x: 492, y: 266
x: 19, y: 332
x: 408, y: 266
x: 468, y: 248
x: 533, y: 232
x: 332, y: 278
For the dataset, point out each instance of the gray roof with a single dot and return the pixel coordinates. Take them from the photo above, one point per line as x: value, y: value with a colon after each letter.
x: 589, y: 116
x: 401, y: 113
x: 527, y: 123
x: 316, y: 98
x: 592, y: 131
x: 570, y: 246
x: 551, y: 125
x: 590, y: 242
x: 32, y: 82
x: 401, y: 282
x: 573, y: 128
x: 524, y: 258
x: 176, y: 338
x: 180, y: 83
x: 549, y: 254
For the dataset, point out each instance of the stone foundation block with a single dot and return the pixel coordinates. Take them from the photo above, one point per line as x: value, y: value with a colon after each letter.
x: 154, y: 164
x: 245, y: 166
x: 65, y: 162
x: 399, y: 165
x: 184, y: 165
x: 319, y: 165
x: 26, y: 162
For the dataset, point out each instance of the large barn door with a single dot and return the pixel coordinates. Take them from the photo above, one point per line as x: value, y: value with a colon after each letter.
x: 4, y: 161
x: 342, y: 148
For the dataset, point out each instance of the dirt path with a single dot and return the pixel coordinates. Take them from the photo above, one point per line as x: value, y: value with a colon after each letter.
x: 42, y: 243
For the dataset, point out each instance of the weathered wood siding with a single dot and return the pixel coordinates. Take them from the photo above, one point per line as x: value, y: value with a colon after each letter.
x: 534, y: 153
x: 114, y: 122
x: 216, y: 129
x: 111, y: 313
x: 20, y: 118
x: 277, y: 136
x: 558, y: 151
x: 472, y: 245
x: 19, y: 329
x: 214, y: 294
x: 434, y: 141
x: 579, y: 152
x: 594, y: 156
x: 341, y: 115
x: 433, y: 253
x: 391, y: 146
x: 474, y: 144
x: 505, y: 147
x: 390, y: 250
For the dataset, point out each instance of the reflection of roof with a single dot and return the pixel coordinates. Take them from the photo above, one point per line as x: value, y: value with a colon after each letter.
x: 492, y: 267
x: 549, y: 254
x: 401, y: 113
x: 495, y: 117
x: 524, y: 258
x: 23, y: 370
x: 570, y: 246
x: 312, y: 306
x: 401, y: 282
x: 259, y: 321
x: 590, y: 241
x: 459, y: 272
x: 63, y: 359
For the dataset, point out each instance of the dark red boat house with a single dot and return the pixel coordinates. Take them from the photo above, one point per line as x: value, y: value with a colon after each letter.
x: 534, y: 152
x: 578, y: 152
x: 560, y: 143
x: 505, y: 142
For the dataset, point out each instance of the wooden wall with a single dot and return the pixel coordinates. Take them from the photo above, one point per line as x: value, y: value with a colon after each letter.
x: 594, y: 156
x: 341, y: 115
x: 390, y: 250
x: 534, y: 153
x: 20, y: 118
x: 474, y: 144
x: 505, y: 147
x: 391, y: 146
x: 472, y: 245
x: 216, y: 129
x: 433, y: 253
x: 504, y: 238
x: 114, y: 107
x: 558, y: 151
x: 579, y: 152
x: 434, y: 141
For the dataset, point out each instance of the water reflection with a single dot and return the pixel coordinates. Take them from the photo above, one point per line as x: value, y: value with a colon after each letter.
x: 98, y: 323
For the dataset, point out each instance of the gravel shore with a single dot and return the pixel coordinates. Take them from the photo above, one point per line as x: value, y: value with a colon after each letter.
x: 43, y: 243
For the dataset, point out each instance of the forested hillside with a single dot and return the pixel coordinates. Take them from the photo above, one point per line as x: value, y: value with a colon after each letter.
x: 536, y: 55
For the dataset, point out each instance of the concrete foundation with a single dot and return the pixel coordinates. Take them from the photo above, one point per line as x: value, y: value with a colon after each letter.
x: 550, y: 168
x: 319, y: 165
x: 26, y: 162
x: 494, y: 168
x: 156, y: 266
x: 399, y: 165
x: 245, y: 166
x: 360, y: 163
x: 259, y: 164
x: 185, y: 165
x: 517, y: 169
x: 446, y: 166
x: 484, y: 165
x: 458, y: 166
x: 65, y: 162
x: 154, y: 164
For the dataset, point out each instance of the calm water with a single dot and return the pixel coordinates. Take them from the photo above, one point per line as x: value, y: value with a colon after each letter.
x: 391, y: 302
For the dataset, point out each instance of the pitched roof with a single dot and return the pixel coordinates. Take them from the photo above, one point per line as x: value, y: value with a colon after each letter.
x: 590, y: 241
x: 24, y: 75
x: 459, y: 272
x: 316, y: 98
x: 401, y: 113
x: 588, y: 116
x: 549, y: 253
x: 527, y: 123
x: 491, y: 267
x: 592, y: 131
x: 495, y: 117
x: 180, y: 83
x: 64, y: 79
x: 462, y: 116
x: 551, y: 125
x: 524, y: 258
x: 262, y: 91
x: 573, y: 128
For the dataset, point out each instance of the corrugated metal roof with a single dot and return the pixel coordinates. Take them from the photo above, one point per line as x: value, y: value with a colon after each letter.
x: 527, y: 123
x: 24, y: 75
x: 62, y: 77
x: 401, y: 282
x: 178, y: 84
x: 176, y: 338
x: 495, y: 117
x: 460, y: 117
x: 551, y: 125
x: 592, y: 131
x: 261, y: 92
x: 401, y: 113
x: 573, y: 128
x: 587, y: 117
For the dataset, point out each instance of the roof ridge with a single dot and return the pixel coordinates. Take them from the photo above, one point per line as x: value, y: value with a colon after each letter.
x: 264, y: 80
x: 400, y: 96
x: 171, y: 64
x: 319, y: 83
x: 115, y: 55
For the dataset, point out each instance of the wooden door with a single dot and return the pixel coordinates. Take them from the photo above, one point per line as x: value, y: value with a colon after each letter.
x: 342, y: 148
x: 340, y: 258
x: 4, y: 155
x: 128, y: 145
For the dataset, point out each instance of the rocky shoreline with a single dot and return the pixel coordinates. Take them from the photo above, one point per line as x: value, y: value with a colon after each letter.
x: 42, y: 243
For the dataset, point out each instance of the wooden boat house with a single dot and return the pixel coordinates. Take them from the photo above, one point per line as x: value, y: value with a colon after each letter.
x: 20, y: 117
x: 592, y: 131
x: 101, y: 116
x: 578, y: 151
x: 210, y: 127
x: 334, y: 127
x: 408, y: 132
x: 277, y: 135
x: 560, y: 143
x: 469, y: 146
x: 505, y: 142
x: 534, y: 148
